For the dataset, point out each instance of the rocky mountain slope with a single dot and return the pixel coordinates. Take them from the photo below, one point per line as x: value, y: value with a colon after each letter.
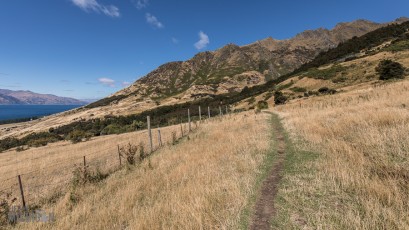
x: 20, y: 97
x: 233, y: 67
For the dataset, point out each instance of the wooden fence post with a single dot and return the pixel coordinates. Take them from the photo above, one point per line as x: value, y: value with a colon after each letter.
x: 208, y: 111
x: 227, y: 112
x: 200, y: 114
x: 119, y: 155
x: 188, y: 117
x: 159, y: 138
x: 149, y: 132
x: 181, y: 128
x: 220, y: 109
x: 21, y: 192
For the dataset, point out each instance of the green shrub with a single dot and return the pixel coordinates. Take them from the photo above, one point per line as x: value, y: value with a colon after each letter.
x: 262, y: 105
x: 388, y: 69
x: 298, y: 89
x: 326, y: 90
x: 78, y: 136
x: 398, y: 46
x: 279, y: 98
x: 38, y: 142
x: 325, y: 74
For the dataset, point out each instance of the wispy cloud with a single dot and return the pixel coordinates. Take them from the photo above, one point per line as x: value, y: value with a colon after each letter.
x: 175, y: 40
x: 4, y: 74
x: 140, y: 4
x: 153, y: 21
x: 203, y: 41
x: 125, y: 83
x: 93, y: 5
x: 107, y: 81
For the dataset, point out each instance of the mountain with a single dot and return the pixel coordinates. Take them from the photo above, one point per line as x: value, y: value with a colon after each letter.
x: 20, y: 97
x: 349, y: 66
x: 233, y: 67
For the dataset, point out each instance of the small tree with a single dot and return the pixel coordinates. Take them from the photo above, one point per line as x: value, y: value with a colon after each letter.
x: 388, y: 69
x: 279, y: 98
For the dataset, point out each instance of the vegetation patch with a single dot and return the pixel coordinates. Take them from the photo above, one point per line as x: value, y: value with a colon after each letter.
x: 279, y: 98
x: 298, y: 89
x: 325, y: 74
x: 388, y: 69
x: 398, y: 46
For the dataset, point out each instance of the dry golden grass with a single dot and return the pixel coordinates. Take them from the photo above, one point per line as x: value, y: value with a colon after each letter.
x: 204, y: 182
x: 48, y: 169
x: 361, y: 178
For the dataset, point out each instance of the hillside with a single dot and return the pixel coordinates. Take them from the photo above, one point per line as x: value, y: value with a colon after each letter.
x: 121, y: 110
x: 232, y: 67
x: 20, y: 97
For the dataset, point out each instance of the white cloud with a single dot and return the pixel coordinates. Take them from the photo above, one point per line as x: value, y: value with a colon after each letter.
x: 175, y: 41
x: 93, y: 5
x: 203, y: 41
x: 140, y: 4
x: 153, y: 20
x: 107, y: 81
x: 125, y: 83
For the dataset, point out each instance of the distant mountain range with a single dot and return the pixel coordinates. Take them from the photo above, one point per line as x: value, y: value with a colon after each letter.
x: 20, y: 97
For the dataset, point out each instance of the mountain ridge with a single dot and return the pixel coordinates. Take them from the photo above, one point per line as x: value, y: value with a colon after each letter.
x: 233, y: 67
x: 26, y: 97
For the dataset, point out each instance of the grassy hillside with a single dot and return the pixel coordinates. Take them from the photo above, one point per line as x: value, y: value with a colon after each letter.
x: 349, y: 167
x: 205, y: 181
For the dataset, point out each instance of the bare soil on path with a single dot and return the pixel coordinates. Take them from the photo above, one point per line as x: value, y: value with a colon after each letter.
x: 264, y: 210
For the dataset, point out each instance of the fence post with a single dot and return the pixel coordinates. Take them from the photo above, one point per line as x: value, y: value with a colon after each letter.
x: 21, y: 192
x: 159, y: 138
x: 227, y: 112
x: 200, y: 114
x: 220, y: 109
x: 208, y: 111
x: 119, y: 155
x: 149, y: 132
x: 181, y: 128
x: 188, y: 117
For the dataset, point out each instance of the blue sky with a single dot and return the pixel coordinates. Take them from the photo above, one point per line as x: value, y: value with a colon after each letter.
x: 92, y: 48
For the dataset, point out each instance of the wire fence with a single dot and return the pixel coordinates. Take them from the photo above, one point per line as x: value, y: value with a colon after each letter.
x: 49, y: 179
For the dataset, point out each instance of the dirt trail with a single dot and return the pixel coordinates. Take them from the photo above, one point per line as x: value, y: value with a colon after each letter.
x: 264, y: 207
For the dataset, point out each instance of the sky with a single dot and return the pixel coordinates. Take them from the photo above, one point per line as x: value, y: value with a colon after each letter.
x: 89, y: 49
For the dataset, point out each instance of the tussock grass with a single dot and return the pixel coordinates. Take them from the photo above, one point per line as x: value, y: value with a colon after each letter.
x: 203, y: 182
x: 360, y: 180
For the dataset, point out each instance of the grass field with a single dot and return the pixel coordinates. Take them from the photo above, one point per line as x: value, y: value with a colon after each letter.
x: 349, y: 168
x: 203, y: 182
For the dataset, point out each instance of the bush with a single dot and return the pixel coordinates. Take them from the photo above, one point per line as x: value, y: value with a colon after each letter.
x: 388, y: 69
x: 129, y: 153
x: 78, y: 136
x: 298, y: 89
x: 326, y: 90
x: 38, y: 143
x: 262, y: 105
x: 279, y: 98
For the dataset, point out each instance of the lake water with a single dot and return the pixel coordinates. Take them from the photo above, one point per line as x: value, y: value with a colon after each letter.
x: 8, y: 112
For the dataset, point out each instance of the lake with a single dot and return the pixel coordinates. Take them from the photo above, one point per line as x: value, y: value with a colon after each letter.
x: 8, y: 112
